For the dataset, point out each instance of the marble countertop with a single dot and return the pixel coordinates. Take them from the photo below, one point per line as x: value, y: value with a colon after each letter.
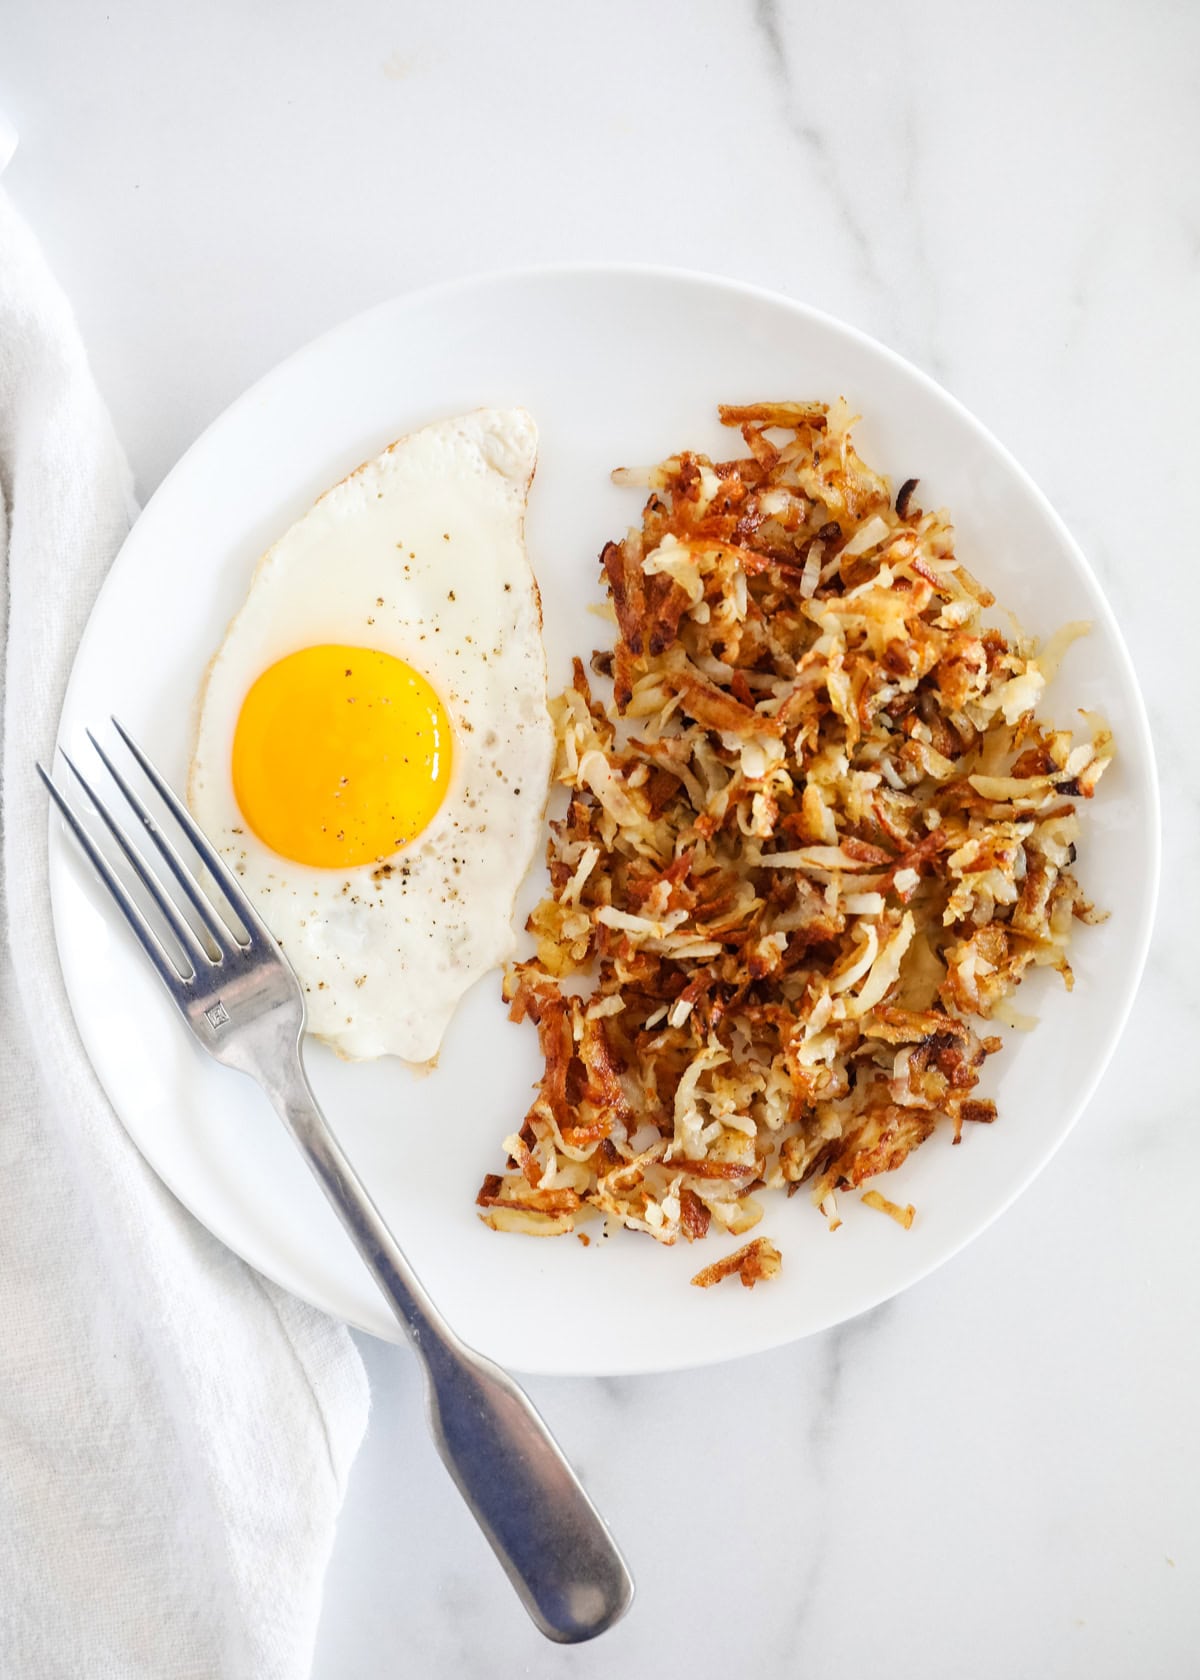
x: 998, y: 1474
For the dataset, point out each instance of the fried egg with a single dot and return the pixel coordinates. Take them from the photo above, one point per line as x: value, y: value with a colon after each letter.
x: 373, y: 746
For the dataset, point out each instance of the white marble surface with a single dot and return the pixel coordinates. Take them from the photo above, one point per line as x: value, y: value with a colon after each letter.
x: 997, y: 1475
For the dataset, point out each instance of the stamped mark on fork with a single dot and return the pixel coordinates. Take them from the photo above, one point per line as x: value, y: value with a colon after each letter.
x: 216, y: 1014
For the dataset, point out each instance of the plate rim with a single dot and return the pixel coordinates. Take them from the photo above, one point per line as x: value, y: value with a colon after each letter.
x: 60, y: 851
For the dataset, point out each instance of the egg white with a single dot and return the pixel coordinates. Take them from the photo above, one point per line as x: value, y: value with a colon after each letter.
x: 419, y: 553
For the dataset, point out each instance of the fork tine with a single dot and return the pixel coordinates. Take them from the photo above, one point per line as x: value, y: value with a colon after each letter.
x: 168, y: 910
x: 209, y: 856
x: 125, y: 903
x: 202, y: 905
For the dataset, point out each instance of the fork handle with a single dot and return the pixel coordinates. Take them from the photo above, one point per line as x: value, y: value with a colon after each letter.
x: 539, y: 1521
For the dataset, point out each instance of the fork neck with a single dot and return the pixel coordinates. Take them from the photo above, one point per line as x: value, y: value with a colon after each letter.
x: 294, y: 1101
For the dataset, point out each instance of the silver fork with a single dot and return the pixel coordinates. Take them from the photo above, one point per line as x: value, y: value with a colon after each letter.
x: 243, y: 1002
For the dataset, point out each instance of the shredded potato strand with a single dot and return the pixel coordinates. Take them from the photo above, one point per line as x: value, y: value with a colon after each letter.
x: 813, y: 840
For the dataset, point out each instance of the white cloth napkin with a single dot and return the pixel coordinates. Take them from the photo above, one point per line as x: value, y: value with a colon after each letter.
x: 175, y: 1432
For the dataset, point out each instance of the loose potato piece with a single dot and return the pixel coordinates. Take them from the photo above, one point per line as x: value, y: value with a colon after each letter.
x: 755, y: 1262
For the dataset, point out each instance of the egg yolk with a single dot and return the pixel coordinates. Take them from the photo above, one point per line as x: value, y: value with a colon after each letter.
x: 341, y: 756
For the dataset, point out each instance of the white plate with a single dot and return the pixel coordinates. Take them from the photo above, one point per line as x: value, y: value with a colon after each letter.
x: 618, y: 366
